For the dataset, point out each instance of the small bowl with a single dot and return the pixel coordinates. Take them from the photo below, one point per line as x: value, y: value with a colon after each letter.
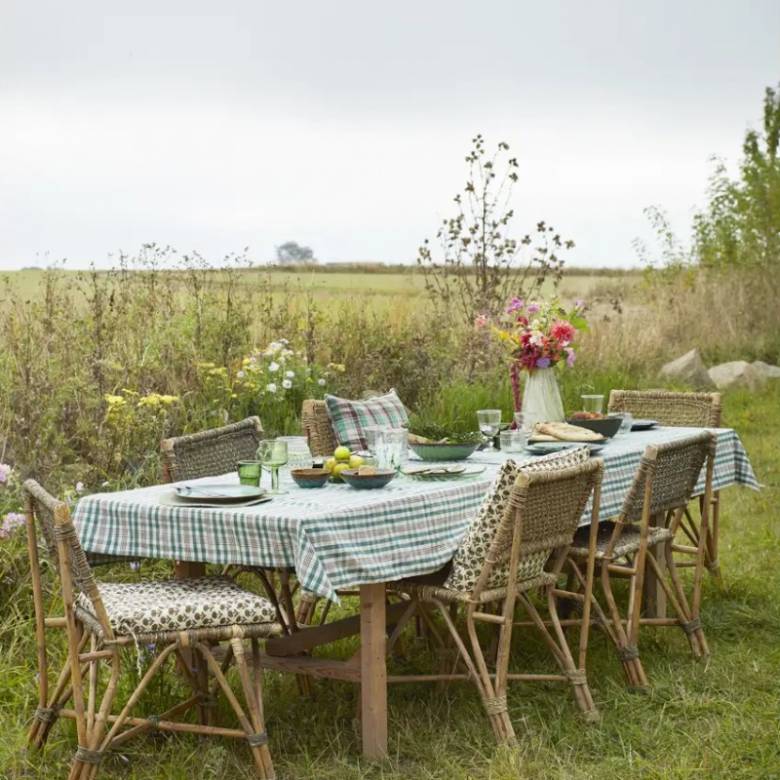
x: 444, y: 451
x: 367, y: 481
x: 606, y: 426
x: 310, y: 478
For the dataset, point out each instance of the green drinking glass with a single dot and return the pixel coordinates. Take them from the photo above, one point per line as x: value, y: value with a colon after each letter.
x: 249, y: 472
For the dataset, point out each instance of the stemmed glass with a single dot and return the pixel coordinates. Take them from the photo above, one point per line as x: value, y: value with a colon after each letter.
x: 489, y: 424
x: 272, y: 453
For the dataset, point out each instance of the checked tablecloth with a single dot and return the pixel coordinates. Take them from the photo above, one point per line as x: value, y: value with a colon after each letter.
x: 338, y: 537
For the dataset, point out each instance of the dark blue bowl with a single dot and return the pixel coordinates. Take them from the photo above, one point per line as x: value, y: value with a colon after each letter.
x: 310, y: 478
x: 367, y: 481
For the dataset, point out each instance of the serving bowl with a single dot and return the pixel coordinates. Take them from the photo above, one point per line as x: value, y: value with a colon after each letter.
x: 310, y: 478
x: 436, y: 451
x: 606, y: 426
x: 378, y: 479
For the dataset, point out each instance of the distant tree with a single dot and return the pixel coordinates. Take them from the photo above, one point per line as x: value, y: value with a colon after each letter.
x: 293, y: 252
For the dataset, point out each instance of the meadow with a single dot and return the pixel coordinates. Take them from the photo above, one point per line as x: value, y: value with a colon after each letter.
x: 96, y: 367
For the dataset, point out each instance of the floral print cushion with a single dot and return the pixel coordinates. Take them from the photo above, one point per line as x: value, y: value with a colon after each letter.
x: 470, y: 556
x: 178, y: 605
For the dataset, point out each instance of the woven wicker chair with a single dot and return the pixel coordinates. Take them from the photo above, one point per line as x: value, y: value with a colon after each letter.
x: 695, y: 410
x: 210, y: 453
x: 528, y: 550
x: 317, y: 428
x: 644, y: 531
x: 103, y: 618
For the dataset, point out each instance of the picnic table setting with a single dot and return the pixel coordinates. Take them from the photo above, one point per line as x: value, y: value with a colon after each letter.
x: 603, y: 519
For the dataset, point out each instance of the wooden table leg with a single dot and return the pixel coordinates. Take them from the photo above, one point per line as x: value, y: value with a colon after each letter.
x: 183, y: 570
x: 654, y: 597
x: 373, y: 671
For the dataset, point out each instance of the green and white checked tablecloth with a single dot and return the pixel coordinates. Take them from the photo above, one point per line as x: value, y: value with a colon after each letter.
x: 338, y: 537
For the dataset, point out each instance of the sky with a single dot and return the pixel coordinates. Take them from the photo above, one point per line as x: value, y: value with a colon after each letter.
x: 344, y: 125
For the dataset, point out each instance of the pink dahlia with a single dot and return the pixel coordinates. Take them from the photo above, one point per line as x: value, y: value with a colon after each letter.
x: 563, y: 332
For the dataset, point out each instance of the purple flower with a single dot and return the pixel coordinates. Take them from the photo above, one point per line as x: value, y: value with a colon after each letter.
x: 533, y: 308
x: 135, y: 565
x: 11, y: 522
x: 543, y: 362
x: 570, y: 356
x: 5, y: 472
x: 579, y: 304
x: 515, y: 305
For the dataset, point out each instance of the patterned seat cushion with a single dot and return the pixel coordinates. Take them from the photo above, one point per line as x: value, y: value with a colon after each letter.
x: 151, y: 607
x: 470, y: 556
x: 350, y: 419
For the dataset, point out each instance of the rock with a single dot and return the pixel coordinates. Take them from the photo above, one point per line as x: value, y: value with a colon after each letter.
x: 689, y: 369
x: 766, y: 370
x: 737, y: 373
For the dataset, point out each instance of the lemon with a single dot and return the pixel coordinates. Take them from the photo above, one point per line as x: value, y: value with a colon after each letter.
x: 338, y: 468
x: 341, y: 453
x: 329, y: 464
x: 356, y: 461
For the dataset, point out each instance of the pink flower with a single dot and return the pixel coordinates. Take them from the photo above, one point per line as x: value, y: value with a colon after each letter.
x: 533, y: 308
x: 579, y: 304
x: 563, y: 332
x: 480, y: 321
x: 570, y: 356
x: 515, y: 305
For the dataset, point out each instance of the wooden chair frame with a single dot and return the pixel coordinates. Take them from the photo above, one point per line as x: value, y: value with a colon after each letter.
x: 98, y: 729
x: 496, y: 606
x: 696, y: 410
x: 662, y: 513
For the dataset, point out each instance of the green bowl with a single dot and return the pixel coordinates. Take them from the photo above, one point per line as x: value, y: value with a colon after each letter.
x: 310, y: 478
x: 367, y: 481
x: 444, y: 451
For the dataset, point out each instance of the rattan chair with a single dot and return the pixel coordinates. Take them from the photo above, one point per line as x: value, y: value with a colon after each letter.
x: 644, y: 532
x: 317, y: 428
x: 103, y: 619
x: 530, y: 541
x: 694, y: 410
x: 210, y: 453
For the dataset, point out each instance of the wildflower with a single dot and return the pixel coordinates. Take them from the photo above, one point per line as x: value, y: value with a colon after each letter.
x: 543, y: 362
x: 533, y: 308
x: 79, y: 487
x: 289, y: 374
x: 273, y: 366
x: 287, y: 353
x: 286, y: 384
x: 515, y: 305
x: 480, y: 321
x: 271, y: 387
x: 5, y: 473
x: 321, y: 382
x: 241, y: 374
x: 135, y: 565
x: 11, y: 522
x: 579, y: 304
x: 563, y: 332
x: 571, y: 356
x: 114, y: 400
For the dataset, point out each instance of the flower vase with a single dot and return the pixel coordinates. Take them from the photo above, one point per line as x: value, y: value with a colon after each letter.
x: 541, y: 398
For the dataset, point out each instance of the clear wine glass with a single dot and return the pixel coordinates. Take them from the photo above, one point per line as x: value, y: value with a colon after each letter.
x: 489, y: 424
x: 272, y: 453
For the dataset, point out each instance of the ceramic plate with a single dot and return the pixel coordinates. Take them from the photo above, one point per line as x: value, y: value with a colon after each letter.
x: 546, y: 447
x: 643, y: 425
x: 215, y: 492
x: 438, y: 473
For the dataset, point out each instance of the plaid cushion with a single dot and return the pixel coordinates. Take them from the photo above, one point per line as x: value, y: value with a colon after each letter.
x: 351, y: 418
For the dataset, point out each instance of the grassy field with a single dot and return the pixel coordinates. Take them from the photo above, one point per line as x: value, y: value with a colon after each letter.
x: 713, y: 720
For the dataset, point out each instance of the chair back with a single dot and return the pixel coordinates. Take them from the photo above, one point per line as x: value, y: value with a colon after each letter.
x: 541, y: 516
x: 667, y: 476
x: 694, y: 410
x: 66, y: 554
x: 317, y: 428
x: 212, y: 452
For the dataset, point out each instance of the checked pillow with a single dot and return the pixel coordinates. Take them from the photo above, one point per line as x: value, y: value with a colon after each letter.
x: 350, y: 419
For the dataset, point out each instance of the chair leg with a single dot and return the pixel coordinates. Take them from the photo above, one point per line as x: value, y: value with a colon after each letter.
x: 690, y: 620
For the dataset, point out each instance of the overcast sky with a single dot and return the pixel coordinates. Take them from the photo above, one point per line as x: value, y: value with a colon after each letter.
x: 343, y: 125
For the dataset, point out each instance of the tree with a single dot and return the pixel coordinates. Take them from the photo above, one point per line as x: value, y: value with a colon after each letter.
x: 479, y: 265
x: 741, y: 222
x: 293, y: 252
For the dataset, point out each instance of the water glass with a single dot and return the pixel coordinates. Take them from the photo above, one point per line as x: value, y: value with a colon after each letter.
x: 298, y: 452
x: 513, y: 441
x: 519, y: 420
x: 391, y: 448
x: 371, y: 432
x: 626, y: 421
x: 249, y: 472
x: 593, y: 403
x: 489, y: 423
x: 273, y: 454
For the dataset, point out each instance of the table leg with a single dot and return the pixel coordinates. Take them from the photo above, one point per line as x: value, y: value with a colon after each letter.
x: 654, y: 597
x: 183, y: 570
x: 373, y: 671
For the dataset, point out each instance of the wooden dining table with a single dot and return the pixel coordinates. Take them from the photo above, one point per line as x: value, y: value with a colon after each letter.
x: 337, y: 538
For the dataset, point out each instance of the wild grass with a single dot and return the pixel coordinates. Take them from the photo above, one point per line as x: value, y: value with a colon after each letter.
x: 714, y: 720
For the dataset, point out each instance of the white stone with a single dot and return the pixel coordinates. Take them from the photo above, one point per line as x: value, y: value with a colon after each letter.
x: 689, y: 369
x: 766, y: 370
x: 737, y: 373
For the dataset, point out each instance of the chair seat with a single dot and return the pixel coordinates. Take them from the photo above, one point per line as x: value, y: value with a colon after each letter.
x: 428, y: 586
x: 156, y: 607
x: 627, y: 544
